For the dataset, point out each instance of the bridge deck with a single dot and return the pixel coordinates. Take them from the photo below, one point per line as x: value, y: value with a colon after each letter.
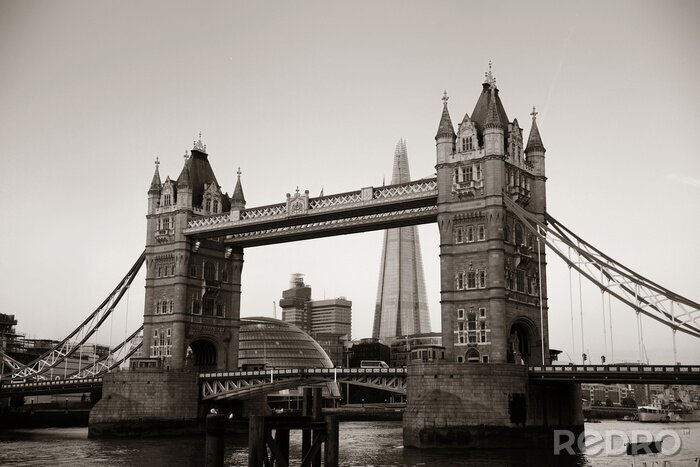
x: 612, y: 374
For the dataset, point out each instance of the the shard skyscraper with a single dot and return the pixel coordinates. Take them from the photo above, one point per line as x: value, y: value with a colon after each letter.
x: 402, y: 307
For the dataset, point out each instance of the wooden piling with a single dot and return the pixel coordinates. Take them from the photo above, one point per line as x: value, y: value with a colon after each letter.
x: 317, y: 416
x: 215, y: 431
x: 332, y: 449
x: 257, y: 452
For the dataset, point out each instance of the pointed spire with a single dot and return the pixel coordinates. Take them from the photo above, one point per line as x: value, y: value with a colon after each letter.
x: 183, y: 180
x: 155, y: 183
x: 238, y: 200
x: 445, y: 128
x: 534, y: 142
x: 321, y: 193
x: 492, y: 118
x: 401, y: 173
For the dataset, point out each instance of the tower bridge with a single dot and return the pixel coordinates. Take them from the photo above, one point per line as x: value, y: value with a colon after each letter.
x: 488, y: 200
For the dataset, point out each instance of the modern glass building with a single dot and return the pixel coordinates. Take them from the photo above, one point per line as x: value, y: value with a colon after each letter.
x: 272, y: 343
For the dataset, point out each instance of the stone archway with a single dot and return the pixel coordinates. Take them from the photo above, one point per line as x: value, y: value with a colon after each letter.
x: 202, y: 354
x: 522, y: 343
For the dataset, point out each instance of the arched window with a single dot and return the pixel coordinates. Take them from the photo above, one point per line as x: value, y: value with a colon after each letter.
x: 472, y: 356
x: 216, y: 206
x: 207, y: 206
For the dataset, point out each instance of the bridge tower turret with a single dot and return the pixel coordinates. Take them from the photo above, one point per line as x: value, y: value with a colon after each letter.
x: 192, y: 299
x: 489, y: 270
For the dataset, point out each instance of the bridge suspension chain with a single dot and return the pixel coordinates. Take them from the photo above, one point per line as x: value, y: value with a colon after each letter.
x: 113, y: 359
x: 638, y: 292
x: 75, y: 340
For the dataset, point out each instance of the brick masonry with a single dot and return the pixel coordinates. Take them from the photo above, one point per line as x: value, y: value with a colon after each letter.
x: 476, y: 405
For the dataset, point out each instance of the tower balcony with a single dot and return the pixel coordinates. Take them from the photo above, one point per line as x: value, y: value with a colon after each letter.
x: 164, y: 235
x: 466, y: 188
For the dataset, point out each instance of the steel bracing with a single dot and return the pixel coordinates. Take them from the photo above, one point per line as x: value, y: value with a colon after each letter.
x: 244, y: 384
x: 118, y: 355
x: 73, y: 343
x: 633, y: 289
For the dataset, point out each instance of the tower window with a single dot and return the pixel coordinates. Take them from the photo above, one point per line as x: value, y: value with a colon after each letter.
x: 482, y: 279
x: 456, y: 176
x: 470, y: 234
x: 478, y: 171
x: 460, y: 313
x: 166, y: 199
x: 520, y: 281
x: 216, y: 206
x: 460, y: 281
x: 471, y: 280
x: 469, y: 140
x: 482, y: 312
x: 469, y: 174
x: 459, y: 235
x: 207, y: 205
x: 481, y: 232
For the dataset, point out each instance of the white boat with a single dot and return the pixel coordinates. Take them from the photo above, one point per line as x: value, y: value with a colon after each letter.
x: 652, y: 414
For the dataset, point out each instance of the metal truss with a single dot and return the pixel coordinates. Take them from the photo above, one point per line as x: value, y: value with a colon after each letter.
x: 245, y: 384
x: 633, y: 289
x: 75, y: 340
x: 114, y: 359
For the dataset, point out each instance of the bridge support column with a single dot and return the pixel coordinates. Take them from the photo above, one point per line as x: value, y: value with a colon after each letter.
x: 485, y: 406
x: 236, y: 259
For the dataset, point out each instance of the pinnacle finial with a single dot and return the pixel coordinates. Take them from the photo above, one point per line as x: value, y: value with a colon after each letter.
x: 297, y: 189
x: 238, y: 172
x: 157, y: 162
x: 445, y: 97
x: 534, y: 112
x: 488, y: 76
x: 198, y: 145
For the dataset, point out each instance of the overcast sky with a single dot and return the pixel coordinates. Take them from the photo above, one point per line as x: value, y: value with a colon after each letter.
x: 316, y: 95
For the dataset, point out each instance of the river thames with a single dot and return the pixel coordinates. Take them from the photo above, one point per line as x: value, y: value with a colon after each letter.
x: 361, y: 444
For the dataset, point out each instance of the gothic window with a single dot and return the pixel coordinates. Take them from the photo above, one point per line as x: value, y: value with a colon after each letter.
x: 196, y: 306
x: 481, y: 232
x: 470, y: 234
x: 170, y: 306
x: 160, y: 272
x: 460, y: 280
x: 166, y: 199
x: 460, y: 313
x: 520, y: 278
x: 472, y: 331
x: 482, y: 332
x: 470, y: 143
x: 455, y: 177
x: 216, y: 206
x: 482, y: 279
x: 459, y: 238
x: 220, y: 310
x: 209, y: 271
x: 482, y: 312
x: 464, y: 175
x: 208, y: 307
x: 469, y: 174
x: 471, y: 280
x: 509, y: 279
x: 518, y: 234
x: 207, y: 206
x: 464, y: 144
x: 478, y: 171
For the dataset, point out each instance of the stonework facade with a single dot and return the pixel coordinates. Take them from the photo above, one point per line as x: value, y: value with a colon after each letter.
x: 402, y: 306
x: 192, y: 304
x: 493, y: 282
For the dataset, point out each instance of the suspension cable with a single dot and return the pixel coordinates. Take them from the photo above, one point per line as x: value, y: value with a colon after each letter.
x: 571, y: 310
x: 580, y: 305
x: 612, y: 351
x: 605, y: 332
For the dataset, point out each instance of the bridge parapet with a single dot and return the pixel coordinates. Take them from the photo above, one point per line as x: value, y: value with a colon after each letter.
x: 669, y: 374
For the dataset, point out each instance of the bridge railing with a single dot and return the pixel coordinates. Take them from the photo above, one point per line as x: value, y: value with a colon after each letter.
x: 301, y: 372
x: 617, y: 369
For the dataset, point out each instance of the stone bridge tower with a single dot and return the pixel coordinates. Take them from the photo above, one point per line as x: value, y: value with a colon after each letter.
x: 493, y: 294
x: 193, y: 287
x: 490, y: 271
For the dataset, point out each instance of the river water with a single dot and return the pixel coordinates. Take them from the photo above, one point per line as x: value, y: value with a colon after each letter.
x: 361, y: 444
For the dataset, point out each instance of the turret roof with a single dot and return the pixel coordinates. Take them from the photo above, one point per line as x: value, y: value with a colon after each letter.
x: 155, y: 183
x: 238, y: 199
x: 445, y: 128
x: 534, y: 142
